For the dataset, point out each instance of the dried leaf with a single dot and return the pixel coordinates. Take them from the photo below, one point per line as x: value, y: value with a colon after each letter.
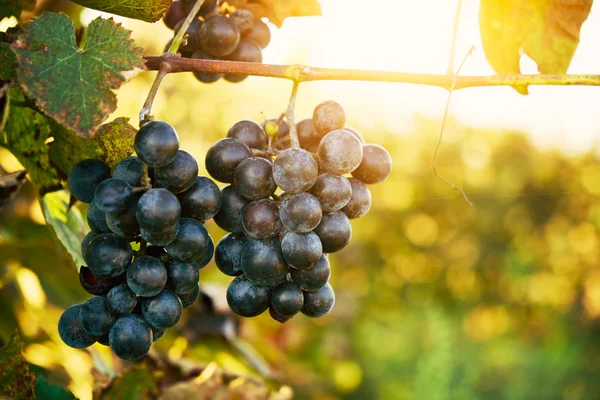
x: 278, y: 10
x: 71, y: 84
x: 547, y: 31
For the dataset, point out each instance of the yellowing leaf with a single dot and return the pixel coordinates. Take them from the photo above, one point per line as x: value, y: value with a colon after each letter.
x: 278, y: 10
x: 145, y: 10
x: 547, y: 31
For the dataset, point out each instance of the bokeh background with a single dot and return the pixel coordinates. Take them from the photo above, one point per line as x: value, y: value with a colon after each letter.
x: 435, y: 299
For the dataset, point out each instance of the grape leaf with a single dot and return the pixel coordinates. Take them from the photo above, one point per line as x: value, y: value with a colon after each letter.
x: 45, y: 389
x: 8, y: 63
x: 16, y: 382
x: 66, y: 225
x: 10, y: 8
x: 137, y: 383
x: 278, y: 10
x: 48, y: 150
x: 71, y: 84
x: 547, y: 31
x: 146, y: 10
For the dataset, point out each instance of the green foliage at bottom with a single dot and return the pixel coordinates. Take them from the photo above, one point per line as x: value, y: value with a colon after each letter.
x: 16, y: 382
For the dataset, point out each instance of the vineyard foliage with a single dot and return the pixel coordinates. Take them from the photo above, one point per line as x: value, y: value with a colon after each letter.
x: 436, y: 301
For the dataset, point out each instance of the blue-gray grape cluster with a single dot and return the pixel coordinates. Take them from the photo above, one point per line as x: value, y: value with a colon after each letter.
x: 277, y: 244
x: 235, y: 36
x: 138, y: 295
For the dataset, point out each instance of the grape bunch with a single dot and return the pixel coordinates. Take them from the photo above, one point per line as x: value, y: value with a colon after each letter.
x: 139, y: 294
x: 215, y: 35
x: 284, y: 216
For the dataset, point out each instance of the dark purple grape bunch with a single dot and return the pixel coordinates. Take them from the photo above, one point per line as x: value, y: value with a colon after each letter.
x: 139, y: 294
x: 277, y: 246
x: 235, y: 36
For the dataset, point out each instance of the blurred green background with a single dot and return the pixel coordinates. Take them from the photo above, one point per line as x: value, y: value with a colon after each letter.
x: 435, y: 299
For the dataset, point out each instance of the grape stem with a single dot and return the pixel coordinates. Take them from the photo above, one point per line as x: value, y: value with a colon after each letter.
x: 289, y: 116
x: 303, y: 73
x: 164, y: 68
x: 141, y: 189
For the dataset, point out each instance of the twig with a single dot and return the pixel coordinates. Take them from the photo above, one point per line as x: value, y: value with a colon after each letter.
x: 302, y: 73
x: 289, y: 116
x: 439, y: 143
x: 164, y: 68
x: 450, y: 70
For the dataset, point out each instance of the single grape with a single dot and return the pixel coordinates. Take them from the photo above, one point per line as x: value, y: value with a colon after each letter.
x: 247, y: 299
x: 179, y: 175
x: 261, y: 219
x: 287, y: 299
x: 246, y: 51
x: 71, y: 330
x: 229, y: 217
x: 96, y: 317
x: 86, y: 240
x: 108, y: 255
x: 301, y: 250
x: 163, y: 310
x: 131, y: 170
x: 253, y: 178
x: 340, y: 152
x: 295, y: 170
x: 125, y: 224
x: 334, y: 231
x: 278, y: 317
x: 219, y: 36
x: 243, y: 20
x: 205, y: 77
x: 121, y: 300
x: 96, y: 219
x: 189, y: 298
x: 360, y: 202
x: 146, y: 276
x: 156, y: 143
x: 182, y: 277
x: 263, y: 262
x: 160, y: 238
x: 157, y: 333
x: 193, y: 32
x: 356, y: 133
x: 328, y: 116
x: 319, y: 303
x: 191, y: 241
x: 158, y: 210
x: 260, y: 33
x: 207, y: 255
x: 206, y: 8
x: 130, y: 337
x: 307, y: 135
x: 249, y: 132
x: 228, y: 255
x: 300, y: 212
x: 224, y: 156
x: 333, y: 191
x: 376, y: 165
x: 314, y: 278
x: 97, y: 286
x: 174, y: 14
x: 85, y: 176
x: 202, y: 201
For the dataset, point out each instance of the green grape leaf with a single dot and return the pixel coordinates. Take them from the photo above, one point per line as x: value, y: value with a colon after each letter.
x: 16, y: 381
x: 48, y: 150
x: 8, y: 63
x: 547, y: 31
x: 138, y: 383
x: 145, y: 10
x: 45, y: 389
x: 10, y: 8
x: 66, y: 224
x: 74, y: 85
x: 278, y: 10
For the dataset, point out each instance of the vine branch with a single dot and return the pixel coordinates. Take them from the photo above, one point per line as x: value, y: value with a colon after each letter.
x: 301, y: 73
